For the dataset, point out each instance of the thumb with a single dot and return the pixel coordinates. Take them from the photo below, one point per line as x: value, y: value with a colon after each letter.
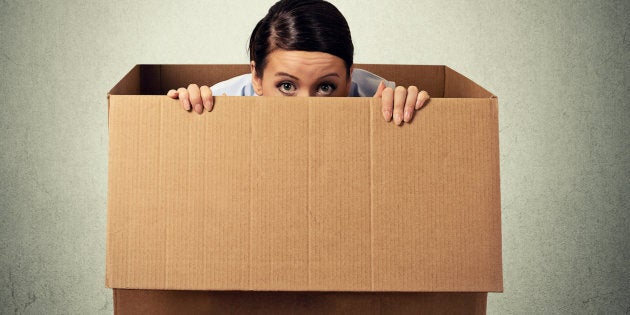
x: 379, y: 90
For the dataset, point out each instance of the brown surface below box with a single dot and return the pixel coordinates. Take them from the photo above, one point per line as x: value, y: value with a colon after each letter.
x: 256, y: 302
x: 298, y: 205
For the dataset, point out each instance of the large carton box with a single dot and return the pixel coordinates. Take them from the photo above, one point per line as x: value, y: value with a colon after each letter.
x: 302, y: 205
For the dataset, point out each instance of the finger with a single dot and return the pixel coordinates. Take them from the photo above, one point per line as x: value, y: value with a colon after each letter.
x: 423, y: 97
x: 379, y: 89
x: 410, y: 103
x: 194, y: 94
x: 183, y: 98
x: 400, y: 95
x: 387, y: 102
x: 206, y: 97
x: 172, y: 94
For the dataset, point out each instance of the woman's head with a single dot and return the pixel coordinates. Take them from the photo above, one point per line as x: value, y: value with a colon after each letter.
x: 314, y: 27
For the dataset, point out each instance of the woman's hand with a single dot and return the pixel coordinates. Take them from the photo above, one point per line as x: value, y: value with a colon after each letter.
x: 400, y: 103
x: 195, y: 97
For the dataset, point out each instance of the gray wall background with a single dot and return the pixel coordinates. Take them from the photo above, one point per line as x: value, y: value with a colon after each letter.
x: 560, y: 69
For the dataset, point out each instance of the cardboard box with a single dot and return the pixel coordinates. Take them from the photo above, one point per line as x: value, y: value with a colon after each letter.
x: 302, y: 197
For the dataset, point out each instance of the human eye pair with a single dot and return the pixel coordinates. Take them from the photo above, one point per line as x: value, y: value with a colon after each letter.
x: 289, y: 88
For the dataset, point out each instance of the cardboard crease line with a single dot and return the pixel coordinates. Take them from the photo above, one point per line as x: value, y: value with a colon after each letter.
x: 251, y: 197
x: 165, y: 232
x: 308, y: 196
x: 371, y: 139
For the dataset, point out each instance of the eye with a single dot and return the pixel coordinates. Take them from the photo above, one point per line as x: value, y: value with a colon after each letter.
x: 286, y: 87
x: 326, y: 89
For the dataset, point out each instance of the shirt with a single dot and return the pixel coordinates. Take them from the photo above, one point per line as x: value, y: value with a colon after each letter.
x: 364, y: 84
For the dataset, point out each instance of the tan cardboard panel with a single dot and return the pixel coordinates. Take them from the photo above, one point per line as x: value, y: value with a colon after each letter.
x: 279, y: 193
x: 339, y: 198
x: 272, y: 194
x: 251, y: 303
x: 435, y: 193
x: 170, y: 202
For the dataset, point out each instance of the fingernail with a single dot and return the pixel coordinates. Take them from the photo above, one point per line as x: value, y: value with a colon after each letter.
x: 387, y: 115
x: 419, y: 103
x: 397, y: 118
x: 186, y: 105
x: 198, y: 108
x: 407, y: 116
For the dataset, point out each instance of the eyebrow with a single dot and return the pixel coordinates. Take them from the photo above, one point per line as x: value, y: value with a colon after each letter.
x: 280, y: 74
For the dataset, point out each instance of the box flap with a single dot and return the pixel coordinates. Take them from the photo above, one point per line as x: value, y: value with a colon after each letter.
x: 303, y: 194
x: 458, y: 86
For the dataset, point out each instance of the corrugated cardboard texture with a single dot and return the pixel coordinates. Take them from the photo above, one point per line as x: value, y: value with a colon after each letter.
x: 305, y: 194
x: 278, y: 303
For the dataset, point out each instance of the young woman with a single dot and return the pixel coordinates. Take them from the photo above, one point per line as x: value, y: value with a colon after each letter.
x: 304, y: 48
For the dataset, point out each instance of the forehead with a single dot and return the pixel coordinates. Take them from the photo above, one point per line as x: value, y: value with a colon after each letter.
x: 304, y: 64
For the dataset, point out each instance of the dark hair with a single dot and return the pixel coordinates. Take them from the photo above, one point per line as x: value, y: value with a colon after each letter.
x: 307, y: 25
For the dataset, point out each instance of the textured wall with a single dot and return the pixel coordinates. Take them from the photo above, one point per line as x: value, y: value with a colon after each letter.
x: 560, y: 69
